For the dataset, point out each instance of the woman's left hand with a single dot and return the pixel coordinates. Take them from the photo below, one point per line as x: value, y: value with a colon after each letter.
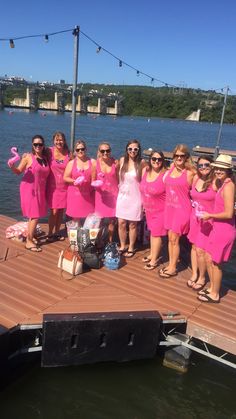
x: 205, y: 216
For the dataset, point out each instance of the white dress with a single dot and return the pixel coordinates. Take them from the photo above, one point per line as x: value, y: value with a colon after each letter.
x: 129, y: 204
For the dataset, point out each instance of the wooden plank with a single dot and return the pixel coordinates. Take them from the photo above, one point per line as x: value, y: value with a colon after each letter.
x: 209, y: 150
x: 31, y: 285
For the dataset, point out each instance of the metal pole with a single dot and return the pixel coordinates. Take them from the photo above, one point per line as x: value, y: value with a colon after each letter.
x: 217, y: 148
x: 76, y: 32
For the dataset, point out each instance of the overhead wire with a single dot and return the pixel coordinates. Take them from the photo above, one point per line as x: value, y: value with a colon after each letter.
x: 121, y: 62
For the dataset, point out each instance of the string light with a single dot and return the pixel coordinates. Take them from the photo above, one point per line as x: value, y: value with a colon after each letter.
x: 99, y: 48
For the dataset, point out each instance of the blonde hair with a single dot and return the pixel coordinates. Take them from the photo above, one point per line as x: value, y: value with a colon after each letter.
x: 188, y: 163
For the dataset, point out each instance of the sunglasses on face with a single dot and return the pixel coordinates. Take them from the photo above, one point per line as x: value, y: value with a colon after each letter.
x: 179, y: 156
x: 219, y: 169
x: 108, y: 150
x: 80, y: 149
x: 203, y: 165
x: 38, y: 144
x: 156, y: 159
x: 135, y: 149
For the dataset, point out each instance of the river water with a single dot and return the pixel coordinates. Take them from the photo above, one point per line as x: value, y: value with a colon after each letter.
x: 135, y: 390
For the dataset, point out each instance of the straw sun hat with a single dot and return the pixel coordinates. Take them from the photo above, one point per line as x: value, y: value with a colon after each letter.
x: 223, y: 161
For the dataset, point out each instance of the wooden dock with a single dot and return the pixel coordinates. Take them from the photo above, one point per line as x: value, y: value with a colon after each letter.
x: 31, y: 285
x: 208, y: 150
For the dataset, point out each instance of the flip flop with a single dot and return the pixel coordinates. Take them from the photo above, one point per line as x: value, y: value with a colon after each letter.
x: 203, y: 292
x: 150, y: 267
x: 145, y: 259
x: 190, y: 283
x: 122, y: 251
x: 129, y: 253
x: 208, y: 299
x: 59, y: 237
x: 34, y: 249
x: 162, y: 270
x: 164, y: 274
x: 50, y: 239
x: 199, y: 287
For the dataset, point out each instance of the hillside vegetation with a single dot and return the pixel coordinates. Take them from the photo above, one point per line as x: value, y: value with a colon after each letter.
x: 164, y: 102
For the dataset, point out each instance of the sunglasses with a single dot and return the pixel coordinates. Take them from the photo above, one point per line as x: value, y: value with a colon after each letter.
x: 80, y: 149
x: 203, y: 165
x: 38, y: 144
x: 108, y: 150
x: 179, y: 156
x: 156, y: 159
x: 135, y: 149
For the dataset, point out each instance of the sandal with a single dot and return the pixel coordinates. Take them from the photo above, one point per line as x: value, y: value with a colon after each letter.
x: 164, y: 274
x: 50, y: 238
x: 190, y: 282
x: 146, y: 259
x: 129, y: 253
x: 207, y: 299
x: 122, y: 251
x: 198, y: 287
x: 203, y: 292
x: 34, y: 249
x: 150, y: 267
x: 59, y: 237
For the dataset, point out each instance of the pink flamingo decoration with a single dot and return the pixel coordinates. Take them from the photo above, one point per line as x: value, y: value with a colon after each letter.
x: 13, y: 160
x: 80, y: 179
x: 99, y: 182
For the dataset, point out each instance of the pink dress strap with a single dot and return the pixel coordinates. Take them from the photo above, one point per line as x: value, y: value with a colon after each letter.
x: 106, y: 195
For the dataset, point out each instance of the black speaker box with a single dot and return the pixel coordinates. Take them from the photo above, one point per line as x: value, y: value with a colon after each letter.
x: 76, y: 339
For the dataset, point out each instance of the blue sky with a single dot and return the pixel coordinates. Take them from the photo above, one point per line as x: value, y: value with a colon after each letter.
x: 190, y: 43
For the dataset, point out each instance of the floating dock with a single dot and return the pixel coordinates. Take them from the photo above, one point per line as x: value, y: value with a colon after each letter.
x: 32, y: 287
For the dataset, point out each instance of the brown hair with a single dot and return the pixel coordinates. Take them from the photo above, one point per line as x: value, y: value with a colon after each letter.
x: 209, y: 179
x: 44, y: 151
x: 230, y: 175
x: 62, y: 135
x: 163, y: 166
x: 137, y: 161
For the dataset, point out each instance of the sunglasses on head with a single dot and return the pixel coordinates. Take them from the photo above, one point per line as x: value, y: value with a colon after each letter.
x: 203, y: 165
x: 179, y: 156
x: 156, y: 159
x: 133, y: 149
x: 80, y: 149
x: 38, y: 144
x: 108, y: 150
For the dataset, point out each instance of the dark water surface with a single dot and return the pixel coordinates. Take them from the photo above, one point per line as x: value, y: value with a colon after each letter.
x: 136, y: 390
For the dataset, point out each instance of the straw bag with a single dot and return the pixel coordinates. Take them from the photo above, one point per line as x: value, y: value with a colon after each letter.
x: 70, y: 261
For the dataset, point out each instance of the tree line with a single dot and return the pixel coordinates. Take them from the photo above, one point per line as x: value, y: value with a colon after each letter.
x: 163, y: 102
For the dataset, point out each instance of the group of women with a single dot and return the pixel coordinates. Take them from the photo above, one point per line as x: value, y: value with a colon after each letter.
x: 184, y: 199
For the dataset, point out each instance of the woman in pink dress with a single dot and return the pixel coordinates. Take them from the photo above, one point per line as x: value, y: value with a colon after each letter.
x: 153, y: 193
x: 223, y: 233
x: 59, y: 156
x: 78, y: 174
x: 203, y: 198
x: 129, y: 204
x: 107, y: 172
x: 178, y: 181
x: 33, y: 188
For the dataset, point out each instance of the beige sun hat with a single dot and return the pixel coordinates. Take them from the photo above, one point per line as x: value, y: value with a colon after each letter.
x: 224, y: 161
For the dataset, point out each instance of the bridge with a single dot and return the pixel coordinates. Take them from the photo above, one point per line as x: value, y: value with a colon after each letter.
x: 31, y: 102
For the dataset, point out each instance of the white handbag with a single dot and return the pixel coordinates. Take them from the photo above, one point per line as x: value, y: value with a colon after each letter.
x: 70, y: 261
